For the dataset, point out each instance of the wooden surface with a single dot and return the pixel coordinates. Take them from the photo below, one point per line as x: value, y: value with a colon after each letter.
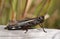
x: 31, y: 34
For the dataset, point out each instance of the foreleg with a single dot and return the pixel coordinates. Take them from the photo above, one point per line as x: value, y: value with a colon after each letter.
x: 41, y: 25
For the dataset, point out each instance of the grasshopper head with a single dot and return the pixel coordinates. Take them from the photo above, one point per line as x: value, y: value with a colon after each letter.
x: 41, y: 19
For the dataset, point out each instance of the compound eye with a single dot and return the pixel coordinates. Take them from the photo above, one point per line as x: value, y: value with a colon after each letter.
x: 42, y: 17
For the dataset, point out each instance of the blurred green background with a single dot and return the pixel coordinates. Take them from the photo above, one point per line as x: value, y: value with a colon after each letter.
x: 21, y: 9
